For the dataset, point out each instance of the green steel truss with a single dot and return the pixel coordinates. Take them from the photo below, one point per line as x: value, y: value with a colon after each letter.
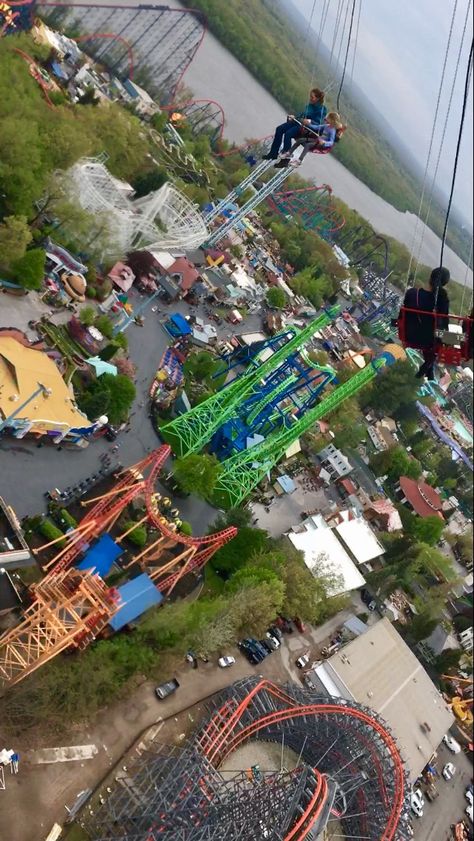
x: 243, y: 471
x: 190, y: 432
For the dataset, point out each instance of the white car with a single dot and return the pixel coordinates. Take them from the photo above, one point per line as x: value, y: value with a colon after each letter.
x: 302, y: 661
x: 416, y: 804
x: 469, y: 796
x: 225, y: 662
x: 273, y: 641
x: 448, y: 771
x: 451, y: 744
x: 469, y: 812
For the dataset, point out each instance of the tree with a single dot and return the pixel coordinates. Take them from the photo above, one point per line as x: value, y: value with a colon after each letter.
x: 105, y: 326
x: 200, y: 366
x: 89, y: 97
x: 395, y: 462
x: 126, y: 367
x: 142, y: 263
x: 276, y: 298
x: 248, y: 542
x: 394, y: 388
x: 422, y: 626
x: 87, y: 316
x: 15, y: 236
x: 121, y: 396
x: 29, y: 269
x: 448, y: 659
x: 197, y: 474
x: 428, y: 529
x: 149, y: 181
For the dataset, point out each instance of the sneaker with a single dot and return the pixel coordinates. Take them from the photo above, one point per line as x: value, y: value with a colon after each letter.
x: 269, y: 157
x: 282, y: 164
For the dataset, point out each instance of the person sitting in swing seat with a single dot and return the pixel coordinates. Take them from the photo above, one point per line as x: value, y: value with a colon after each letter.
x: 420, y: 329
x: 317, y: 137
x: 314, y: 112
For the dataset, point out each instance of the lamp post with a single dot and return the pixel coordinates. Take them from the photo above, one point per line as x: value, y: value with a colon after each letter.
x: 42, y: 389
x: 127, y: 320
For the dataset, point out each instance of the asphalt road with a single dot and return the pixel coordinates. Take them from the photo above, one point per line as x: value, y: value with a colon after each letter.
x: 27, y: 471
x: 449, y: 807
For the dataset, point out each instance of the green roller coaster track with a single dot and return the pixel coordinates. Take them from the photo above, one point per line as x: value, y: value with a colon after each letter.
x: 243, y: 471
x: 190, y: 432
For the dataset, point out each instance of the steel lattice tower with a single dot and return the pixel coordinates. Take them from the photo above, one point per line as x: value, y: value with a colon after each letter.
x: 243, y: 471
x: 152, y: 44
x: 191, y: 431
x: 349, y: 770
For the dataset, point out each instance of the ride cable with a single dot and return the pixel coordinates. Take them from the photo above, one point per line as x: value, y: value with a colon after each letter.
x: 458, y: 148
x: 346, y: 55
x: 430, y: 147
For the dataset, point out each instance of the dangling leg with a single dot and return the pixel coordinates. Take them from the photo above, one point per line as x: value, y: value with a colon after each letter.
x: 286, y: 132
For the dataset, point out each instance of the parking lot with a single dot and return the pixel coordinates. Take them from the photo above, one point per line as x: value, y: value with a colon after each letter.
x: 449, y: 807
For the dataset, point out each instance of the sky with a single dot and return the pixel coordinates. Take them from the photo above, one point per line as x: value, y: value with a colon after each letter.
x: 398, y: 64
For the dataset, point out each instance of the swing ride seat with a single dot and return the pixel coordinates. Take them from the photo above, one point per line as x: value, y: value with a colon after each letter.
x: 313, y: 147
x: 451, y: 344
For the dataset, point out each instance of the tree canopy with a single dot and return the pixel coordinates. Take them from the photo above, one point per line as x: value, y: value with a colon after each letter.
x: 28, y: 270
x: 276, y: 297
x: 395, y: 462
x: 197, y: 474
x: 393, y: 389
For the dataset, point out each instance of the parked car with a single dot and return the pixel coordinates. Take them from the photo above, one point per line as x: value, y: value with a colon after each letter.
x: 165, y: 689
x: 275, y: 632
x: 417, y: 803
x: 431, y: 792
x: 254, y: 652
x: 448, y: 771
x: 299, y: 624
x: 226, y: 661
x: 272, y: 641
x: 451, y: 744
x: 469, y: 795
x: 302, y: 661
x: 469, y: 812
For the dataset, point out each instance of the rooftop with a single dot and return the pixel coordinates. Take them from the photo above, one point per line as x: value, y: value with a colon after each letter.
x: 21, y: 370
x: 360, y: 540
x: 379, y: 669
x: 425, y: 500
x: 325, y: 555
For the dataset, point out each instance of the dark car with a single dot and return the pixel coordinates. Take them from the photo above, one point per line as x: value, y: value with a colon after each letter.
x: 257, y: 646
x: 110, y: 433
x: 250, y: 655
x: 165, y: 689
x: 275, y: 632
x: 253, y: 647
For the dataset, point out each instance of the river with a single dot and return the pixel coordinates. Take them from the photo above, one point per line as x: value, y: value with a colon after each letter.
x: 252, y: 112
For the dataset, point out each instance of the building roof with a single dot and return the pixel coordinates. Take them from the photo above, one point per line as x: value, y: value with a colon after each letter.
x: 386, y: 509
x: 360, y: 540
x: 324, y: 554
x: 137, y: 596
x: 348, y: 485
x: 187, y: 270
x: 380, y: 670
x: 21, y: 369
x: 425, y: 501
x: 101, y: 556
x: 9, y: 595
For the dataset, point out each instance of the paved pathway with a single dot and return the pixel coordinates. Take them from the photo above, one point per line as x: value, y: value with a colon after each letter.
x: 38, y: 795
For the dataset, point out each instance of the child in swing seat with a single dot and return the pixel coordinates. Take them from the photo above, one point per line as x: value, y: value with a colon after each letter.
x: 325, y: 139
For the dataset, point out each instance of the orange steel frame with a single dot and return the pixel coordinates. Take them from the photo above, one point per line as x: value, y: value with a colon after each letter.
x: 70, y: 608
x: 220, y: 739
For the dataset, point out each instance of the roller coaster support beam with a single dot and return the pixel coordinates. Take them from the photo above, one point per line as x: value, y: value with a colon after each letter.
x: 242, y: 472
x: 234, y: 194
x: 265, y: 191
x: 190, y: 432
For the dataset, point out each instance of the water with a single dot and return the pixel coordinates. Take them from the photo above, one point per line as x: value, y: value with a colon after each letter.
x: 461, y: 430
x: 252, y: 112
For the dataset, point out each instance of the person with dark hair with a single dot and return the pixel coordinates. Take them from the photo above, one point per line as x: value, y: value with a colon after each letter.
x: 420, y: 328
x: 314, y: 112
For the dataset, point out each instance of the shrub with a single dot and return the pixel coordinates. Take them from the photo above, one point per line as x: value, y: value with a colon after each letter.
x: 91, y: 292
x: 66, y: 519
x: 186, y: 528
x: 126, y: 367
x: 86, y: 316
x: 50, y: 531
x: 104, y: 324
x: 138, y: 536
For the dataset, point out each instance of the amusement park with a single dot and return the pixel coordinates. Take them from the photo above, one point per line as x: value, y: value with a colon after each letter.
x: 236, y: 431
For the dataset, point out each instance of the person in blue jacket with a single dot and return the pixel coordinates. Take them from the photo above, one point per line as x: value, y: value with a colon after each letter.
x: 314, y: 112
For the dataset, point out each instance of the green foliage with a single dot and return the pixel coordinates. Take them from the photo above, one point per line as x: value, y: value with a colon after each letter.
x: 448, y: 659
x: 428, y: 530
x: 50, y: 531
x: 104, y: 324
x: 138, y: 536
x: 28, y: 270
x: 240, y: 550
x: 395, y: 462
x: 149, y: 181
x: 186, y: 528
x: 109, y: 395
x: 197, y: 474
x: 15, y: 236
x: 394, y: 388
x: 276, y: 298
x: 66, y: 519
x: 421, y: 626
x: 201, y: 365
x: 87, y: 316
x: 91, y: 292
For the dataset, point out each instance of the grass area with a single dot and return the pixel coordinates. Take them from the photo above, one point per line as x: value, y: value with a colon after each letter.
x: 214, y: 585
x: 75, y: 833
x: 60, y: 338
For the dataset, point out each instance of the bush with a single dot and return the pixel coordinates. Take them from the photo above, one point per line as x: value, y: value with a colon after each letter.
x: 126, y: 367
x: 50, y: 531
x: 104, y: 324
x: 28, y: 270
x: 276, y: 297
x: 186, y: 528
x: 86, y: 316
x: 138, y: 536
x: 66, y: 519
x: 91, y: 292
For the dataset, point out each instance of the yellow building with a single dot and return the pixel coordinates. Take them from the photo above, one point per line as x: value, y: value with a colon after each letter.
x: 23, y: 373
